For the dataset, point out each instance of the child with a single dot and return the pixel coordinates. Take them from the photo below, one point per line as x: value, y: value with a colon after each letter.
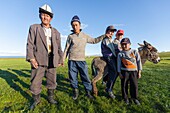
x: 129, y: 70
x: 109, y: 54
x: 117, y: 48
x: 119, y: 36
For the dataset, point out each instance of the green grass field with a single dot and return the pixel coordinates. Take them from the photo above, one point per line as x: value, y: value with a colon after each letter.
x: 154, y: 91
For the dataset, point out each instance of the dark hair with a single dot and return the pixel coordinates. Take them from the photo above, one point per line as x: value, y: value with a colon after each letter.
x: 46, y: 12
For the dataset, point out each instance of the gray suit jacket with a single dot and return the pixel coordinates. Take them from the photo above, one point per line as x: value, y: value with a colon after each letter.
x: 37, y: 46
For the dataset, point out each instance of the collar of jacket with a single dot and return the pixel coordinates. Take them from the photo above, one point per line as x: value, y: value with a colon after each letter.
x: 106, y: 37
x: 74, y: 32
x: 44, y: 25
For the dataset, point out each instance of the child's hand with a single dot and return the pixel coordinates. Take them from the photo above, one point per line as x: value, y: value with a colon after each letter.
x: 120, y: 75
x: 108, y: 35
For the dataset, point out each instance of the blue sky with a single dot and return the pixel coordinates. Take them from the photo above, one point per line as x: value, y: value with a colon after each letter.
x: 140, y: 19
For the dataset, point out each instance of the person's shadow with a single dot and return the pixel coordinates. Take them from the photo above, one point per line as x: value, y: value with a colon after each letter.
x: 63, y: 84
x: 12, y: 78
x: 26, y: 73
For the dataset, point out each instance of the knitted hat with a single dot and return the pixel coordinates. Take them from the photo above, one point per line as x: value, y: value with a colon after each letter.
x: 75, y: 18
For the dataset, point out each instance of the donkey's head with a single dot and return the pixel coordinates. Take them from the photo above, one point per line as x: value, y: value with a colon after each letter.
x: 148, y: 52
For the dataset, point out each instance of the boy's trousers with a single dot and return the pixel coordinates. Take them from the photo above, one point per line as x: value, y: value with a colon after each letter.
x: 129, y: 77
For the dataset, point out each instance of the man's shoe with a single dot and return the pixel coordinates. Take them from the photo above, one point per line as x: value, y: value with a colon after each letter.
x: 136, y: 101
x: 111, y: 95
x: 75, y: 94
x: 36, y: 101
x: 51, y: 96
x: 89, y: 95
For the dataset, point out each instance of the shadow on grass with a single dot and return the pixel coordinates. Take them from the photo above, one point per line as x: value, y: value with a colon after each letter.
x: 23, y: 74
x: 12, y: 79
x: 63, y: 84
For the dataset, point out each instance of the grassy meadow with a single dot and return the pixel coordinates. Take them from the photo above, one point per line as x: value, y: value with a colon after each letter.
x: 154, y: 91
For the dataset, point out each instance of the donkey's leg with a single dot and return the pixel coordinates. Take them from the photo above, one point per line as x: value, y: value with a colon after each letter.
x: 94, y: 81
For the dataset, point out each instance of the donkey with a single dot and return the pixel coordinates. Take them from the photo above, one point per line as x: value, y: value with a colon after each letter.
x: 100, y: 69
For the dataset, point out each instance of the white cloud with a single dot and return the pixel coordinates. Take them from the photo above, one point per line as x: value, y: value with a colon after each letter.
x: 63, y: 37
x: 83, y: 26
x: 119, y: 25
x: 11, y: 53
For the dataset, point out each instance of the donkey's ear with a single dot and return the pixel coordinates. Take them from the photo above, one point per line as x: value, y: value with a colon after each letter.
x: 146, y: 43
x: 140, y: 45
x: 154, y: 49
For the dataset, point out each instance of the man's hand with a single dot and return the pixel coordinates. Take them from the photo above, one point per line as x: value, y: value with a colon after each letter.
x: 139, y: 74
x: 120, y: 75
x: 34, y: 63
x: 61, y: 64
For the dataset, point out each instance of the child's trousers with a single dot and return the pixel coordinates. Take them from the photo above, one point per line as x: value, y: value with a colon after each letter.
x: 129, y: 77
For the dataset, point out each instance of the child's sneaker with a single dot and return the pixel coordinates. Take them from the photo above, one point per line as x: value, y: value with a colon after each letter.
x: 136, y: 101
x: 111, y: 95
x: 126, y: 101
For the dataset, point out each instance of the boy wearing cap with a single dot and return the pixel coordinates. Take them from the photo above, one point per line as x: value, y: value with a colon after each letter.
x: 75, y: 50
x: 44, y: 54
x: 108, y: 49
x: 129, y: 69
x: 117, y: 47
x: 119, y: 36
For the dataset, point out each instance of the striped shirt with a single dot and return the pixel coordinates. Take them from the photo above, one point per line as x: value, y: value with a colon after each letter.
x: 129, y: 61
x: 76, y: 43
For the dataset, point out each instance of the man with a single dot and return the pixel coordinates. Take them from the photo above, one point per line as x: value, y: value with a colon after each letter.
x: 75, y: 49
x: 44, y: 54
x: 108, y: 49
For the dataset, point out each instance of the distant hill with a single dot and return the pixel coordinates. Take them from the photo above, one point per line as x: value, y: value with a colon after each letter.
x: 164, y: 54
